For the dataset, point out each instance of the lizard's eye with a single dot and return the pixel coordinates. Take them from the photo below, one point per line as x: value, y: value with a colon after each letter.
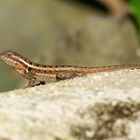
x: 28, y: 69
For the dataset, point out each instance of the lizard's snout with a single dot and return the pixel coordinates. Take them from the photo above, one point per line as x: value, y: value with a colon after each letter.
x: 3, y: 55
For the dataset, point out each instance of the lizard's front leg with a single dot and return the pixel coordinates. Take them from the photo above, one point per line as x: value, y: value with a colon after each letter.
x: 31, y: 76
x: 31, y: 82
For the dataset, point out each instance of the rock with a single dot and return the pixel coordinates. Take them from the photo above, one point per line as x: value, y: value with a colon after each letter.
x: 103, y: 106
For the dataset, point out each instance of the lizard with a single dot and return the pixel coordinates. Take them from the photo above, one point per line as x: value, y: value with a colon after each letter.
x: 42, y: 73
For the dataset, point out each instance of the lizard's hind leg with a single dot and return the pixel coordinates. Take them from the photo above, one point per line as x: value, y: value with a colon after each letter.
x: 66, y: 75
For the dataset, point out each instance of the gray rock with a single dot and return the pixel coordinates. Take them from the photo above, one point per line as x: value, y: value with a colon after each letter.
x: 103, y: 106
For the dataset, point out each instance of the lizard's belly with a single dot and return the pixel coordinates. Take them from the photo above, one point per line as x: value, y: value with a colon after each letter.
x: 47, y: 78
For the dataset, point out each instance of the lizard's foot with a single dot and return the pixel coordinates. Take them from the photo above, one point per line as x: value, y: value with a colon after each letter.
x: 37, y: 84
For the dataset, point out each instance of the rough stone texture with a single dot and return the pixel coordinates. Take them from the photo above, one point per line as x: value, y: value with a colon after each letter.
x: 104, y: 106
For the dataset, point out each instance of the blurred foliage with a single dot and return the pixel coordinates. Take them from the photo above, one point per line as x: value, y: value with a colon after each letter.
x: 135, y: 9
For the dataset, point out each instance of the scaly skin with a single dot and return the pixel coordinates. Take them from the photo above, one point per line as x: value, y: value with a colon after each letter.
x: 42, y: 73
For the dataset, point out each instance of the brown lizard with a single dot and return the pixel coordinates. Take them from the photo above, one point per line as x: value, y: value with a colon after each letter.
x: 42, y: 73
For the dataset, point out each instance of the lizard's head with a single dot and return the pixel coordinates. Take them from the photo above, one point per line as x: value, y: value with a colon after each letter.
x: 14, y: 60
